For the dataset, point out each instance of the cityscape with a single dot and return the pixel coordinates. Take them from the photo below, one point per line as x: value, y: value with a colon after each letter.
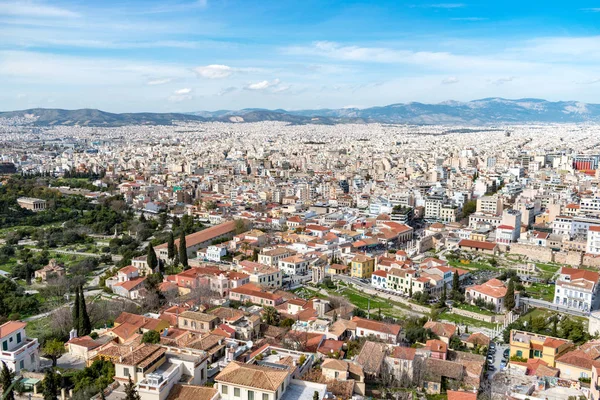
x: 262, y: 244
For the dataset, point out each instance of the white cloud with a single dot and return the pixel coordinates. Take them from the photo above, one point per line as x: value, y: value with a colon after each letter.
x: 262, y: 85
x: 155, y: 82
x: 596, y: 9
x: 502, y: 81
x: 451, y: 80
x: 203, y: 3
x: 183, y: 91
x: 33, y: 9
x: 227, y: 90
x: 214, y: 71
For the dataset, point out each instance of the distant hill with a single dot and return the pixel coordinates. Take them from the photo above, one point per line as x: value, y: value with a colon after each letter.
x: 477, y: 112
x: 92, y: 117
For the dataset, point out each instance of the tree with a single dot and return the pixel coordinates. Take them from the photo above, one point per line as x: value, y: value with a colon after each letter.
x: 183, y: 258
x: 142, y: 217
x: 469, y: 208
x: 271, y: 316
x: 76, y: 319
x: 443, y: 298
x: 6, y: 378
x: 509, y: 297
x: 151, y: 337
x: 316, y: 396
x: 455, y: 282
x: 240, y: 226
x: 53, y: 349
x: 130, y: 392
x: 171, y: 246
x: 50, y: 385
x: 86, y: 325
x: 151, y: 259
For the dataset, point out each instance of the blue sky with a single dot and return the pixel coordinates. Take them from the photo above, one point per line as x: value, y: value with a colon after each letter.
x: 187, y: 55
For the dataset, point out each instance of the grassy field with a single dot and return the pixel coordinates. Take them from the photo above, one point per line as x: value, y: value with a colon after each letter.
x: 541, y: 291
x: 459, y: 319
x: 473, y: 266
x: 475, y: 309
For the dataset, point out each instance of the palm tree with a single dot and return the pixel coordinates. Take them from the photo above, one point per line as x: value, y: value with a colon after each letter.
x: 271, y: 316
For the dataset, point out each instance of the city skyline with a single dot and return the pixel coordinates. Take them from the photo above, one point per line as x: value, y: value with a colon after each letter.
x: 206, y: 55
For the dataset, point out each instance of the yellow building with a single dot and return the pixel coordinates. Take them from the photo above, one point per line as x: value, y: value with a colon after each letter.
x: 362, y: 266
x: 526, y: 345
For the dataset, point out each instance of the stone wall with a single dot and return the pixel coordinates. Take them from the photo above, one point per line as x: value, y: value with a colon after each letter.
x: 591, y: 261
x: 569, y: 257
x: 479, y: 317
x: 536, y: 253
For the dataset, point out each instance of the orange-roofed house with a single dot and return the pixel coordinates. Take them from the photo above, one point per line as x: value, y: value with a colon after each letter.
x: 387, y: 332
x: 254, y: 294
x: 442, y: 330
x: 492, y: 291
x: 18, y: 351
x: 400, y: 361
x: 437, y: 349
x: 528, y: 345
x: 577, y: 288
x: 478, y: 246
x: 461, y: 395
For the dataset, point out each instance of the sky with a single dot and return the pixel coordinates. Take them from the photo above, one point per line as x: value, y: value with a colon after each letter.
x: 190, y: 55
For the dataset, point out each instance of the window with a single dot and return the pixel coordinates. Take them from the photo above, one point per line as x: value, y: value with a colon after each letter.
x: 126, y: 371
x: 236, y: 392
x: 537, y: 353
x: 18, y: 337
x: 22, y: 364
x: 250, y: 395
x: 224, y: 389
x: 265, y: 396
x: 519, y: 353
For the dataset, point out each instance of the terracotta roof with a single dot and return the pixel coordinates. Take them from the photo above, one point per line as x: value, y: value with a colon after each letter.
x: 371, y: 357
x: 492, y: 288
x: 332, y: 363
x: 477, y: 244
x: 143, y: 355
x: 583, y: 274
x: 254, y: 376
x: 204, y: 235
x: 478, y: 338
x: 460, y: 395
x: 11, y: 326
x: 131, y: 284
x: 376, y: 326
x: 436, y: 345
x: 441, y: 329
x: 554, y: 343
x: 127, y: 270
x: 253, y: 290
x: 403, y: 353
x: 188, y: 392
x: 577, y: 358
x: 594, y: 228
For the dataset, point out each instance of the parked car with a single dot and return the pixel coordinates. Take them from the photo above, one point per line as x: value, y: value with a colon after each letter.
x: 491, y: 368
x: 506, y: 353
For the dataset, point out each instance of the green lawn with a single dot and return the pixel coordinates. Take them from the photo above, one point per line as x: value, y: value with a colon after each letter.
x: 475, y: 309
x: 307, y: 293
x: 459, y: 319
x: 473, y: 266
x: 541, y: 291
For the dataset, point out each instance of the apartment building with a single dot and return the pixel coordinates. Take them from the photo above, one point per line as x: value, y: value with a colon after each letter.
x: 577, y: 288
x: 272, y: 257
x: 526, y: 345
x: 389, y: 333
x: 593, y: 240
x: 262, y: 274
x: 293, y: 265
x: 362, y: 266
x: 18, y: 351
x: 197, y: 321
x: 254, y: 294
x: 490, y: 205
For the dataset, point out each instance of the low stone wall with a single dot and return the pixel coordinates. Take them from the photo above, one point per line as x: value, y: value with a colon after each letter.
x: 591, y: 261
x: 570, y: 257
x: 494, y: 319
x: 537, y: 253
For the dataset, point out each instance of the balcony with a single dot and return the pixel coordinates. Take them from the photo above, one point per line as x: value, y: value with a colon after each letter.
x: 20, y: 351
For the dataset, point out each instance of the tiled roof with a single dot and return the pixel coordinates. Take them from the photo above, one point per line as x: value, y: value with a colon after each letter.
x: 477, y: 244
x: 204, y: 235
x: 11, y: 326
x: 377, y: 326
x: 441, y: 329
x: 188, y: 392
x: 254, y: 376
x: 371, y: 357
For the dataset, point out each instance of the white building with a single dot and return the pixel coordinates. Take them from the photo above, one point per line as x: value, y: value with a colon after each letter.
x: 593, y: 240
x: 577, y: 288
x: 215, y: 253
x: 294, y: 265
x: 18, y: 351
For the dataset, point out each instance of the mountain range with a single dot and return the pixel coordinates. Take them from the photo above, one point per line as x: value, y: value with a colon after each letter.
x: 487, y: 111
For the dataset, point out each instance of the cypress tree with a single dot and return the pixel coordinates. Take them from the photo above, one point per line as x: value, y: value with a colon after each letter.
x: 86, y: 325
x: 6, y: 377
x: 151, y: 258
x: 130, y: 392
x: 50, y: 386
x: 171, y: 246
x: 76, y: 319
x: 509, y: 297
x: 183, y: 258
x: 443, y: 298
x: 455, y: 282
